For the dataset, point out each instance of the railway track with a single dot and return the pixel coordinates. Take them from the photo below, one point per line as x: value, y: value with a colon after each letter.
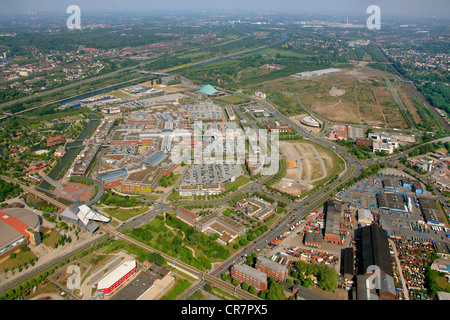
x: 36, y: 193
x: 198, y: 273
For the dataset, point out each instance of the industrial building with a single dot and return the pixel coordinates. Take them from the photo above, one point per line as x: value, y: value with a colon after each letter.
x: 393, y: 202
x: 431, y: 213
x: 313, y: 239
x: 150, y: 284
x: 332, y: 221
x: 373, y: 252
x: 116, y: 277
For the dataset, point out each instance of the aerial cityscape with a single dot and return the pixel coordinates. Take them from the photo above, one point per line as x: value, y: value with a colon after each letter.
x: 212, y: 155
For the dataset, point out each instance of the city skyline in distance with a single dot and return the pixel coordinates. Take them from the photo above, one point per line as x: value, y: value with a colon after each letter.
x: 400, y: 8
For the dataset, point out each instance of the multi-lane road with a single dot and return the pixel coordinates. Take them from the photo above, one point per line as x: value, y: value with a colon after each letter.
x: 298, y: 209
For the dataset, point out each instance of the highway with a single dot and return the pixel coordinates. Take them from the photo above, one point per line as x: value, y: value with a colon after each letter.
x: 298, y: 210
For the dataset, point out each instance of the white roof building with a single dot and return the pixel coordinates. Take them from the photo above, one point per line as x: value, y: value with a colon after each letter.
x: 365, y: 216
x: 85, y: 214
x: 114, y: 276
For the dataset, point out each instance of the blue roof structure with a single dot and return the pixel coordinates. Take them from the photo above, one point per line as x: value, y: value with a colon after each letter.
x: 208, y: 90
x: 155, y: 158
x: 113, y: 174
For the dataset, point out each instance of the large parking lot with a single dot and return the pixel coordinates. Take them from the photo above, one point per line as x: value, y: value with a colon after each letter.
x: 211, y: 173
x: 204, y: 111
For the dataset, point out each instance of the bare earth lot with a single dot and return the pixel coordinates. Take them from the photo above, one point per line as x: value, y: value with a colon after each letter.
x: 358, y: 95
x: 306, y: 165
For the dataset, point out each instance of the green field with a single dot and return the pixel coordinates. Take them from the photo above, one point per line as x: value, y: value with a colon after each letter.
x: 232, y: 99
x: 125, y: 214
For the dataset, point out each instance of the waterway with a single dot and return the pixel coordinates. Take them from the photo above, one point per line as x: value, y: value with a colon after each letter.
x: 72, y: 148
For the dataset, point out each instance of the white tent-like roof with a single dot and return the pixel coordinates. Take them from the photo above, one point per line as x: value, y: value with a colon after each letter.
x: 85, y: 214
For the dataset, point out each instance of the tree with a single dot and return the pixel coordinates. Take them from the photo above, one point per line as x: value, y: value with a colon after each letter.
x: 157, y: 259
x: 276, y: 292
x: 327, y: 278
x: 177, y: 241
x: 225, y: 277
x: 208, y: 287
x: 262, y: 294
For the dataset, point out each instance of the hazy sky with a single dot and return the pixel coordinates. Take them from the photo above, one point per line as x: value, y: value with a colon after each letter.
x: 406, y: 8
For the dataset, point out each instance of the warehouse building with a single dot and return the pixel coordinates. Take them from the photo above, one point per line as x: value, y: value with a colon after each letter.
x: 116, y: 277
x: 442, y: 249
x: 390, y: 184
x: 313, y: 239
x: 348, y: 263
x: 375, y: 249
x: 332, y: 221
x: 150, y: 284
x: 431, y: 213
x: 365, y: 216
x: 373, y: 252
x: 393, y: 202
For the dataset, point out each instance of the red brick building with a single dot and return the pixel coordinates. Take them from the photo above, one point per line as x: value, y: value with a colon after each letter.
x: 53, y: 141
x: 249, y: 275
x: 271, y: 269
x: 187, y: 216
x: 313, y: 239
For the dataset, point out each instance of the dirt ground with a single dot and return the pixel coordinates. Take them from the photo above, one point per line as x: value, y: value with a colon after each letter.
x: 305, y: 166
x: 356, y: 95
